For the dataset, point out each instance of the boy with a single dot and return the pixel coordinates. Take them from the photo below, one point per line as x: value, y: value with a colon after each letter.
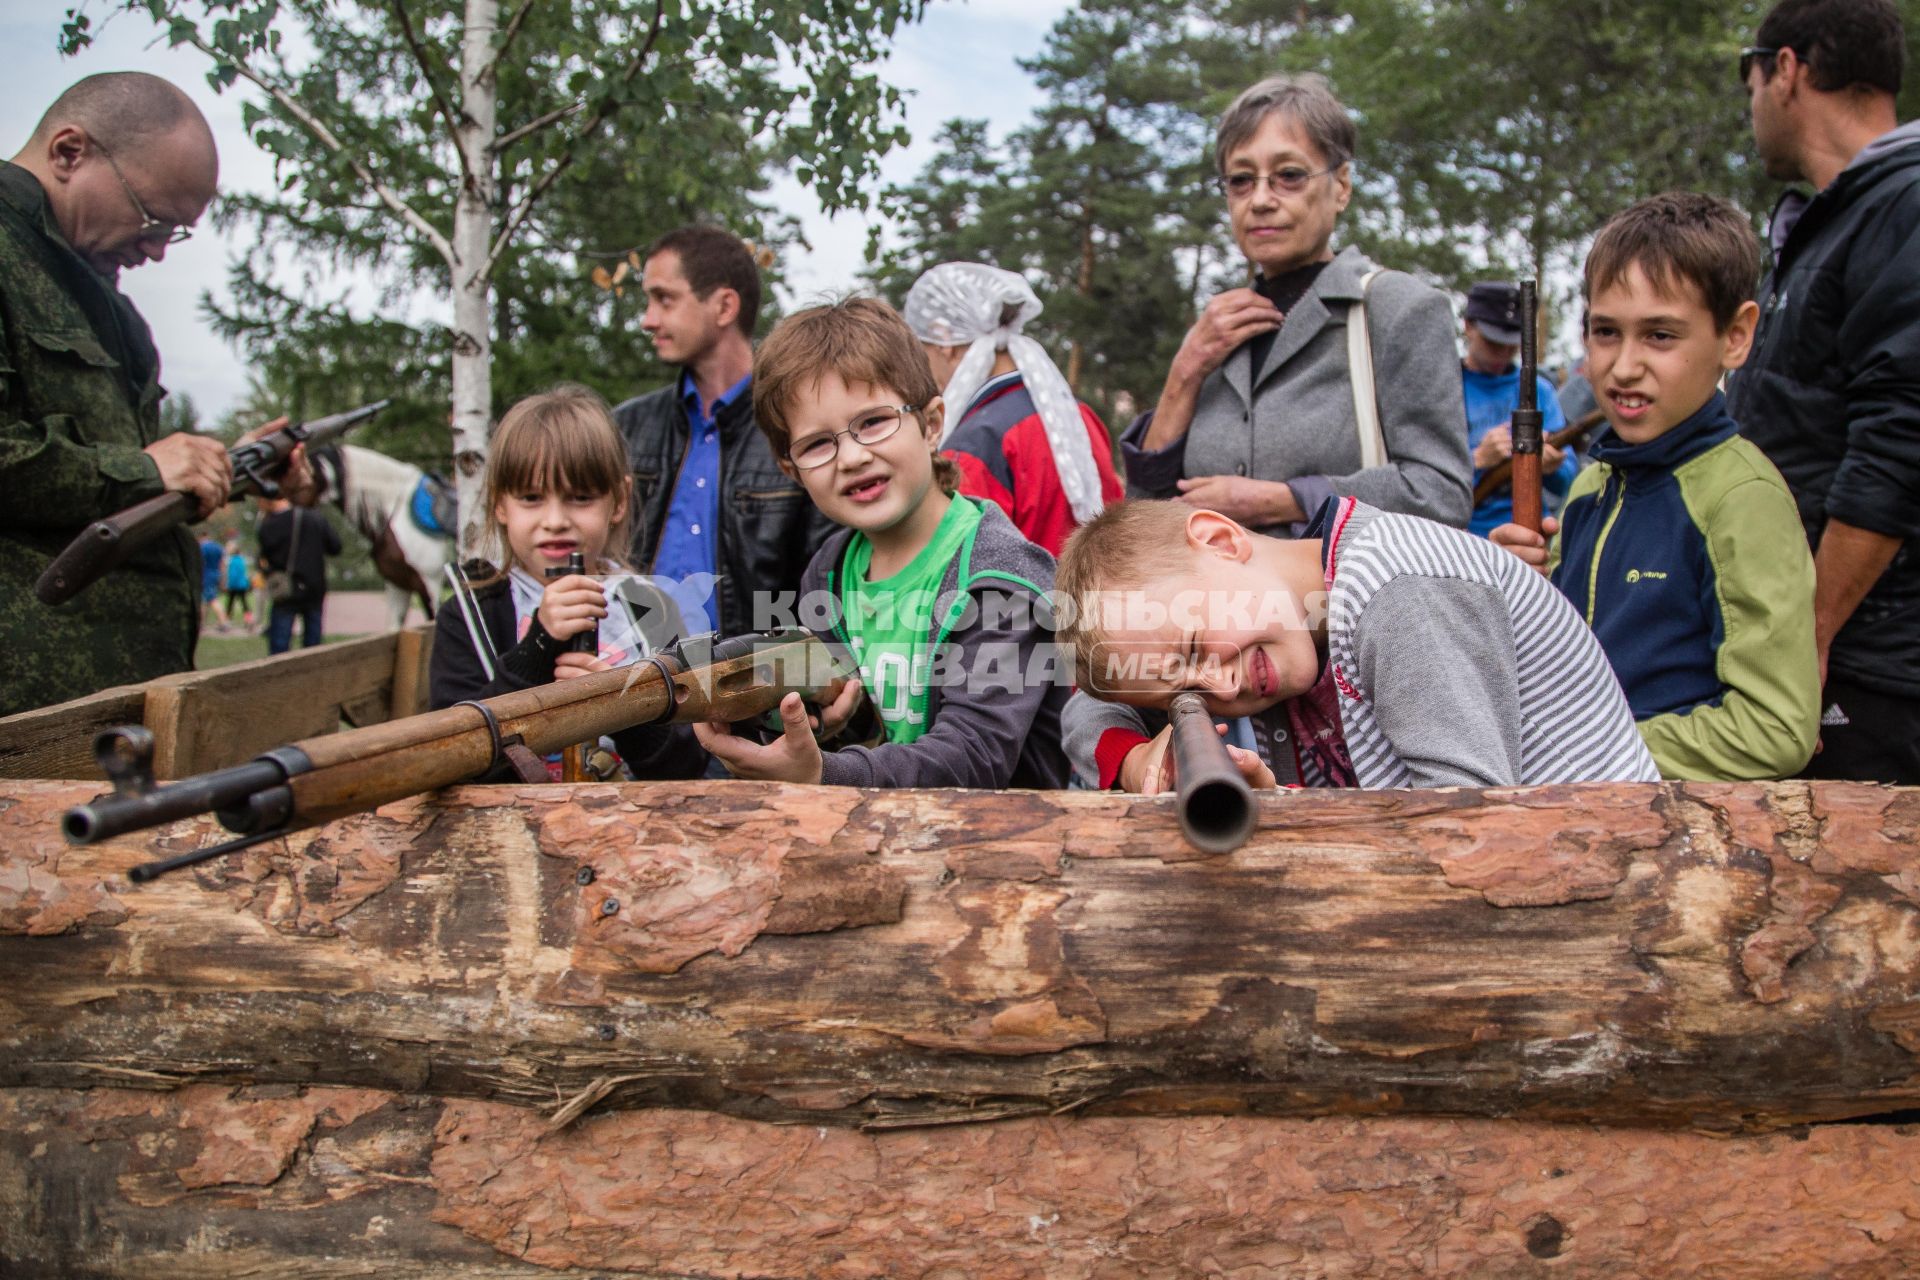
x: 1377, y: 651
x: 938, y: 597
x: 1716, y: 652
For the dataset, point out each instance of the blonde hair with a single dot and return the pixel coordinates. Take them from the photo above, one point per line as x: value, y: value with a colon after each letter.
x: 559, y: 440
x: 1125, y: 546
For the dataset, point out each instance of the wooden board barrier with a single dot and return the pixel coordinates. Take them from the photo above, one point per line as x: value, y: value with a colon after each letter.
x: 57, y: 741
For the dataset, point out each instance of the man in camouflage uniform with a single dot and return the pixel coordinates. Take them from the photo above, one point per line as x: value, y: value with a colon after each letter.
x: 119, y: 168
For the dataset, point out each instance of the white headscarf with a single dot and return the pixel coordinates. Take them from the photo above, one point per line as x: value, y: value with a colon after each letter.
x: 959, y: 304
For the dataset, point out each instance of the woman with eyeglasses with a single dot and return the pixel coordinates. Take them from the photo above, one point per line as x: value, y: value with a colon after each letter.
x: 1266, y: 412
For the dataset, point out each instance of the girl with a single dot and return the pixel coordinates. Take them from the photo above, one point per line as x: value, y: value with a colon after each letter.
x: 557, y: 486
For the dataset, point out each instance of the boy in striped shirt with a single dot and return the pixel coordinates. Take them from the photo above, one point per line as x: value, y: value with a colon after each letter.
x: 1377, y: 651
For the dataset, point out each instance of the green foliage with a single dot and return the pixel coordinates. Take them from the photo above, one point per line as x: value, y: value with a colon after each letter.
x: 692, y: 105
x: 1494, y: 139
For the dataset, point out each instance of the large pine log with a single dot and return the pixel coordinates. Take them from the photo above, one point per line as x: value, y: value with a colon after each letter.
x: 1727, y: 957
x: 210, y: 1183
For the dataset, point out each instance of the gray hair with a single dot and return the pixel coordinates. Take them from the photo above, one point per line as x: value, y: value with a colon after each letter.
x: 1306, y: 99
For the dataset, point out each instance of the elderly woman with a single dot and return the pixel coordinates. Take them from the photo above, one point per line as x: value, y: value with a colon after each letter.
x: 1266, y: 412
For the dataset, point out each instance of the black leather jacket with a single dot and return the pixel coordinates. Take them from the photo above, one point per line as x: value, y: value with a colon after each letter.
x: 769, y: 528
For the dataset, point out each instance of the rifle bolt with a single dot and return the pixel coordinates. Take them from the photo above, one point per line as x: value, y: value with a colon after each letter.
x: 583, y: 876
x: 606, y: 1031
x: 610, y: 907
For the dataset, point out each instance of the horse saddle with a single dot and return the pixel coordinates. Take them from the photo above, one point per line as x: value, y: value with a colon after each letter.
x: 433, y: 508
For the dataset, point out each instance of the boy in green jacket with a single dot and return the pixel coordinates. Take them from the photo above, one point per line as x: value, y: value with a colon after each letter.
x: 1715, y: 651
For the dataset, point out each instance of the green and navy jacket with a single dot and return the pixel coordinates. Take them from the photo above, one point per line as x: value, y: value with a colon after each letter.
x: 1715, y: 652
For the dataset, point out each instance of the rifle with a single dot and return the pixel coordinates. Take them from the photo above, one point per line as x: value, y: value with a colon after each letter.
x: 1216, y: 804
x: 1497, y: 476
x: 321, y: 778
x: 257, y: 466
x: 1526, y: 417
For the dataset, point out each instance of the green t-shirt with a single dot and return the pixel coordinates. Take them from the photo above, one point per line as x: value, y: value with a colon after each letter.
x: 889, y: 623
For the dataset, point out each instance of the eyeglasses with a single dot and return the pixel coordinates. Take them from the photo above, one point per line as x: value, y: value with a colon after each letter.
x: 1290, y: 180
x: 870, y: 428
x: 151, y: 228
x: 1750, y: 55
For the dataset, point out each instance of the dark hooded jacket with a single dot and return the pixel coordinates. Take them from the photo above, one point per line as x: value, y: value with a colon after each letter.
x: 1831, y: 393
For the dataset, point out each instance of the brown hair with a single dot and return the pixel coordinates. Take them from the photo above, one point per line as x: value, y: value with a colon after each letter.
x: 712, y: 258
x: 1306, y: 99
x: 861, y: 339
x: 1681, y: 236
x: 563, y: 439
x: 1124, y: 546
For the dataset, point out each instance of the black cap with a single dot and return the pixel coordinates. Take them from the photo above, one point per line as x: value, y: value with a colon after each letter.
x: 1495, y: 307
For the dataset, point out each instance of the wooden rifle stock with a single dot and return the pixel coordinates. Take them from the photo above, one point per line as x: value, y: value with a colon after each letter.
x: 1497, y: 477
x: 326, y: 777
x: 1216, y: 804
x: 1526, y: 416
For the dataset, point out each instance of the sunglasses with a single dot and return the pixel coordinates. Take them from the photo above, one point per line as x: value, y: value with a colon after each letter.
x: 1750, y: 55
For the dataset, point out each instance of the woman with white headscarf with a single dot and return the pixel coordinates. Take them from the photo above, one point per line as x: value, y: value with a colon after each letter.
x: 1014, y: 427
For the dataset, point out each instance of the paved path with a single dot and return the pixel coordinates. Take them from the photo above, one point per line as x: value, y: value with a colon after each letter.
x: 359, y: 613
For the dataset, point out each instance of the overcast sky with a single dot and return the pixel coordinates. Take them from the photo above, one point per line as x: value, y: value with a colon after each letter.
x: 959, y: 61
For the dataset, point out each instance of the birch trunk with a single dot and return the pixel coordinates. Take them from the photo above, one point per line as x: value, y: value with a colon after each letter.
x: 473, y: 224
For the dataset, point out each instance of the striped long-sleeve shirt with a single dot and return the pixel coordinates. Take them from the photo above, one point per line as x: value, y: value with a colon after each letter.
x: 1454, y: 664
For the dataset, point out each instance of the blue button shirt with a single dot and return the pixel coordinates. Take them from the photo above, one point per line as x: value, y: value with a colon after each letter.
x: 689, y: 550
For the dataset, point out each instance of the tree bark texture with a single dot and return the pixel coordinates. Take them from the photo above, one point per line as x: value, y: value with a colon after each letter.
x: 1708, y: 957
x: 303, y: 1184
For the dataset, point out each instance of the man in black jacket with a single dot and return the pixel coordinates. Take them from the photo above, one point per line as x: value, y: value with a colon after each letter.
x: 296, y: 541
x: 712, y: 509
x: 1832, y: 390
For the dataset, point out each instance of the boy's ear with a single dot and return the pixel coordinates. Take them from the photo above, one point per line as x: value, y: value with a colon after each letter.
x: 935, y: 415
x: 1736, y: 344
x: 788, y: 470
x: 1215, y: 534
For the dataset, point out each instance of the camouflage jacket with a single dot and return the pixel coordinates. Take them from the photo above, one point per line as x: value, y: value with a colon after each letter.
x: 79, y: 402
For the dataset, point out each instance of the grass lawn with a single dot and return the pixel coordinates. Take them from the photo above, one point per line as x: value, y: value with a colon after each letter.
x: 218, y: 650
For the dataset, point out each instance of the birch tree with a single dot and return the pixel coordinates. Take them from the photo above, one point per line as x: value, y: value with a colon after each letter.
x: 440, y: 128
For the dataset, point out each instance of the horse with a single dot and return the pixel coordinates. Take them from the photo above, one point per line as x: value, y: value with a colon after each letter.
x: 404, y: 513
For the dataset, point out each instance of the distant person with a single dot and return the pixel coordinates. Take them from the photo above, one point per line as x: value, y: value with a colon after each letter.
x: 239, y: 578
x: 1266, y: 412
x: 1490, y: 381
x: 210, y: 557
x: 712, y: 509
x: 1014, y: 427
x: 1832, y: 393
x: 295, y: 541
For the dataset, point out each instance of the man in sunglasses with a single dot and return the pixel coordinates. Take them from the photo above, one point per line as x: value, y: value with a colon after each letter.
x: 120, y: 167
x: 1831, y: 392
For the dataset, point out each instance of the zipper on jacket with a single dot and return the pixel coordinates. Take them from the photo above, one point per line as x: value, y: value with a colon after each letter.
x: 1599, y: 547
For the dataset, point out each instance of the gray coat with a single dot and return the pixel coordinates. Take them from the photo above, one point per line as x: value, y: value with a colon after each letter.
x: 1297, y: 424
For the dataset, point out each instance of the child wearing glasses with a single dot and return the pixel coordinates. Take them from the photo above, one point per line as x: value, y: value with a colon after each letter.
x: 937, y: 597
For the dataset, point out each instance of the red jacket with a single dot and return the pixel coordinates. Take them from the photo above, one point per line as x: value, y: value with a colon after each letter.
x: 1002, y: 451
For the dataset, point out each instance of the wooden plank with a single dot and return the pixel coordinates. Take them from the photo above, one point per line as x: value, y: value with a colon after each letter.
x: 206, y: 1183
x: 1688, y: 955
x: 210, y: 719
x: 57, y: 741
x: 413, y: 652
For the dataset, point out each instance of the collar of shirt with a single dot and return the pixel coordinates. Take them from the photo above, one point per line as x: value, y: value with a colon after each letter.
x: 702, y: 416
x: 993, y: 387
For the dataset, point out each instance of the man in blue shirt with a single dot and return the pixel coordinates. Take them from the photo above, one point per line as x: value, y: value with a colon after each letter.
x: 1491, y: 381
x: 712, y: 510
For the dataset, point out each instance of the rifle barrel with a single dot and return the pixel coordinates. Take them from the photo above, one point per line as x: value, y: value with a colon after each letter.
x: 1216, y: 804
x: 1526, y: 415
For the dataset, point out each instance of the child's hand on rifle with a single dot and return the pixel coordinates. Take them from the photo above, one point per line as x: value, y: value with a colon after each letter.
x: 569, y: 666
x: 571, y: 605
x: 837, y: 710
x: 1149, y: 768
x: 792, y: 757
x: 1525, y: 543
